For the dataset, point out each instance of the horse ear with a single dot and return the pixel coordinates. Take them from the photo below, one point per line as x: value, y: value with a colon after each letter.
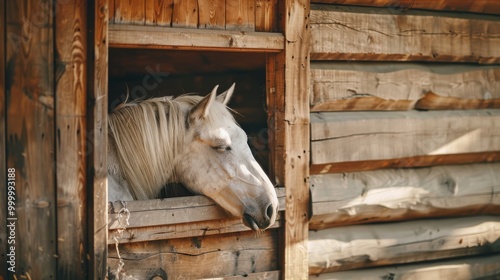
x: 201, y: 110
x: 226, y: 96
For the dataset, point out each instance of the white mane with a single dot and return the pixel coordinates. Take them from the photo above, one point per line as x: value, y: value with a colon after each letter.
x: 146, y: 136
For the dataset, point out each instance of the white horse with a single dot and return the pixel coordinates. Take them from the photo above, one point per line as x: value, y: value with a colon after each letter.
x: 191, y: 140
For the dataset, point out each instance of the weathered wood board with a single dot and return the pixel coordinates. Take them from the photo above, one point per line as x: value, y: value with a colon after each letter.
x: 472, y: 6
x: 340, y: 81
x: 359, y: 246
x: 485, y: 267
x: 173, y: 218
x: 346, y: 33
x: 404, y: 194
x: 243, y: 15
x: 357, y: 136
x: 199, y: 257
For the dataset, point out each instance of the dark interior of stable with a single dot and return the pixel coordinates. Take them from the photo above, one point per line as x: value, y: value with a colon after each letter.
x: 147, y: 73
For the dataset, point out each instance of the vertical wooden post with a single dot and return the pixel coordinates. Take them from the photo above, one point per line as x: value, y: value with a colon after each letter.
x: 71, y: 114
x: 290, y: 105
x: 97, y: 131
x: 30, y: 135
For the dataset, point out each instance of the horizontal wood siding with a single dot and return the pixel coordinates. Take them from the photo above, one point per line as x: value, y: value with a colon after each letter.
x: 242, y: 15
x: 485, y: 267
x: 404, y: 194
x: 339, y: 33
x: 363, y: 246
x: 358, y: 136
x: 344, y: 86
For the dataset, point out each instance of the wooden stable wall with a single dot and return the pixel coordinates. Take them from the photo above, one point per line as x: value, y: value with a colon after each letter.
x: 53, y: 102
x: 396, y: 88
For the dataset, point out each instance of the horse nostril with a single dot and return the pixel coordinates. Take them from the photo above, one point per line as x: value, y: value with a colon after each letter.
x: 269, y: 212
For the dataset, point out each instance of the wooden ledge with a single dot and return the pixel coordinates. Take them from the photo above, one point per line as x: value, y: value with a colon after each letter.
x: 134, y: 36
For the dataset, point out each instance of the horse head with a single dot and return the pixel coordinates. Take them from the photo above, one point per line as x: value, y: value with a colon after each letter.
x: 216, y: 161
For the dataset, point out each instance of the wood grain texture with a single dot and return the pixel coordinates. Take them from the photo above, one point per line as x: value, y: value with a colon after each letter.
x: 97, y: 131
x: 240, y: 15
x: 364, y: 246
x: 130, y: 11
x: 212, y: 14
x: 266, y: 15
x: 405, y: 162
x: 432, y: 101
x: 122, y: 36
x: 338, y: 33
x: 185, y: 13
x: 404, y: 194
x: 30, y: 135
x: 484, y: 267
x: 359, y: 136
x: 292, y: 134
x: 269, y: 275
x: 221, y: 255
x: 3, y: 158
x: 338, y: 81
x: 70, y: 166
x: 486, y: 7
x: 159, y: 12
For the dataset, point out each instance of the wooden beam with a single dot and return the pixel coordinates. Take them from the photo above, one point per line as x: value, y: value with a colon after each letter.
x: 338, y: 33
x: 291, y: 139
x: 269, y: 275
x: 485, y: 7
x: 416, y: 161
x: 70, y: 112
x: 404, y: 194
x: 363, y: 246
x: 97, y: 131
x: 129, y: 36
x: 30, y: 136
x: 359, y: 136
x: 483, y: 267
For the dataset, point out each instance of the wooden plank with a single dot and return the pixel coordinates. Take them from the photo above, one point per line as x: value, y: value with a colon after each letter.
x: 70, y: 104
x: 97, y: 131
x: 339, y: 33
x: 358, y: 136
x: 269, y: 275
x: 221, y: 255
x: 3, y: 157
x: 291, y: 137
x: 484, y: 267
x: 122, y: 36
x: 30, y: 136
x: 240, y: 15
x: 159, y: 13
x: 130, y: 12
x: 364, y: 246
x: 212, y: 14
x: 363, y: 103
x: 404, y: 194
x: 432, y: 101
x: 266, y: 16
x: 486, y: 7
x: 338, y: 81
x: 185, y: 13
x: 170, y: 231
x: 171, y: 211
x: 415, y: 161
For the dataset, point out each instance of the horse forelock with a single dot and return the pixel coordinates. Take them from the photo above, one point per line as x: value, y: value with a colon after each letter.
x: 147, y: 135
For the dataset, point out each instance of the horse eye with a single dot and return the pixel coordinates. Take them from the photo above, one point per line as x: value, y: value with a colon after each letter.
x: 222, y: 148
